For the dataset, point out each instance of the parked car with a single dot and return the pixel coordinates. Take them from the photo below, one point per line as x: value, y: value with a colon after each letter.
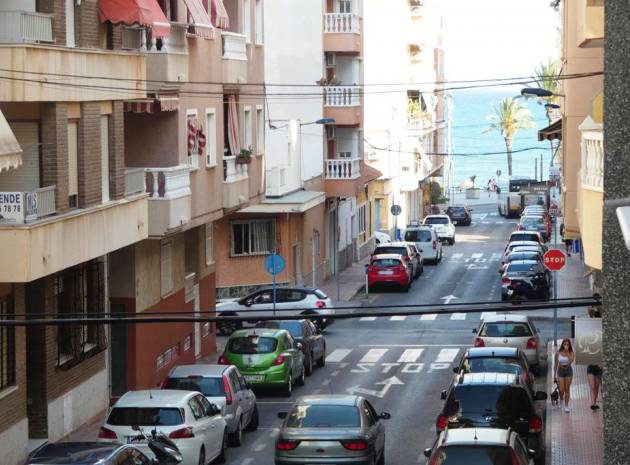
x: 266, y: 358
x: 306, y: 333
x: 418, y: 257
x: 460, y: 215
x: 389, y: 269
x: 289, y: 301
x: 443, y: 226
x: 400, y: 248
x: 381, y: 237
x: 535, y: 223
x: 89, y: 453
x: 518, y: 246
x: 494, y: 400
x: 496, y: 360
x: 331, y: 429
x: 224, y: 387
x: 194, y: 424
x: 511, y: 330
x: 479, y: 446
x: 533, y: 236
x: 524, y: 280
x: 427, y: 242
x: 519, y: 255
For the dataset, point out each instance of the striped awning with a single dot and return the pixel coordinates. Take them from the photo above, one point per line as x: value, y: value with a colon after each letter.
x: 10, y: 150
x: 132, y: 12
x: 149, y: 105
x: 218, y: 13
x: 199, y: 18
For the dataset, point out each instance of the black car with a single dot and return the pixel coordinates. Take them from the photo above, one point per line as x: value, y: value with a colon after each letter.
x: 88, y: 453
x: 460, y: 215
x: 494, y: 400
x: 305, y: 333
x: 525, y: 279
x: 534, y: 255
x: 496, y: 360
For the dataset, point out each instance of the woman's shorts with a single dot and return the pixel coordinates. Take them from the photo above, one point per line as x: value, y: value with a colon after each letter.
x: 565, y: 372
x: 594, y: 370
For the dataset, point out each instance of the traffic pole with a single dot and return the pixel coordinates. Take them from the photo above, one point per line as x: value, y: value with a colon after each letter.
x: 555, y: 288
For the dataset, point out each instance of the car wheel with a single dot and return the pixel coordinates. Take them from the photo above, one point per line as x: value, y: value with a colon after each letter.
x: 322, y: 361
x: 224, y: 445
x: 308, y: 365
x: 253, y: 422
x: 236, y: 438
x: 301, y: 379
x: 406, y: 288
x: 453, y: 240
x: 202, y: 457
x: 288, y: 388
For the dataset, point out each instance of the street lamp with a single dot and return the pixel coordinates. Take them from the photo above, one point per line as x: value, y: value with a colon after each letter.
x: 538, y: 92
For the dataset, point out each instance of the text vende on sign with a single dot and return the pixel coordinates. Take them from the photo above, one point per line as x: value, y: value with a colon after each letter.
x: 554, y: 259
x: 11, y: 207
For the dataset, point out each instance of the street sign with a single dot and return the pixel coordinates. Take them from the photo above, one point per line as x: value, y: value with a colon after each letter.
x: 499, y: 173
x: 274, y: 264
x: 554, y: 259
x: 396, y: 210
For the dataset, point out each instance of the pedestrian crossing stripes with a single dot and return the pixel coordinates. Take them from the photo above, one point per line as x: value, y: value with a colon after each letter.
x: 338, y: 355
x: 398, y: 317
x: 458, y: 316
x: 429, y: 317
x: 373, y: 355
x: 477, y: 257
x: 446, y: 355
x: 410, y: 355
x: 425, y: 317
x: 362, y: 359
x: 368, y: 318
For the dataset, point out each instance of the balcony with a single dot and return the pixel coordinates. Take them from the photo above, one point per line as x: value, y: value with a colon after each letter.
x: 343, y: 168
x: 343, y: 103
x: 235, y: 183
x: 342, y: 32
x: 170, y: 64
x: 592, y: 155
x: 234, y: 57
x: 417, y: 125
x: 170, y: 198
x: 26, y: 207
x: 590, y: 23
x: 25, y: 27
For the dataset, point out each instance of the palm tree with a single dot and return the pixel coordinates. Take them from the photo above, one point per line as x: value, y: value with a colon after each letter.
x: 547, y: 77
x: 509, y: 116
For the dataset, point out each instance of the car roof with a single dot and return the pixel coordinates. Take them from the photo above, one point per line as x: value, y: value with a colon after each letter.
x: 521, y: 243
x: 523, y: 262
x: 329, y: 399
x: 532, y: 216
x: 515, y: 233
x: 484, y: 352
x: 155, y: 398
x: 308, y: 290
x: 490, y: 317
x: 202, y: 369
x: 393, y: 244
x: 487, y: 378
x: 63, y: 452
x: 435, y: 216
x: 532, y: 250
x: 397, y: 256
x: 476, y: 436
x: 262, y: 332
x: 419, y: 226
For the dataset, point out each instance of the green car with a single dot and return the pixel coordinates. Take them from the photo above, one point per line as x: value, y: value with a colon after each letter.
x: 266, y: 358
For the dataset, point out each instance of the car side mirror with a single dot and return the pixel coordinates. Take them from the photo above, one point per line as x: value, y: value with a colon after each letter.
x: 300, y: 346
x: 474, y: 330
x: 427, y: 452
x: 282, y: 415
x: 248, y: 303
x: 384, y: 416
x: 443, y: 395
x: 214, y: 409
x: 540, y: 395
x: 531, y: 453
x: 455, y: 370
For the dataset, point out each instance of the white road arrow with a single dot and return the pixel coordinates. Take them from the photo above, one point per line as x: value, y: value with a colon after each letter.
x: 472, y: 266
x: 387, y: 384
x: 447, y: 299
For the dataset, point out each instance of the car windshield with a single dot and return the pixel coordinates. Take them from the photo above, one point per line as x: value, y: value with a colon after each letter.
x: 386, y: 262
x: 506, y: 401
x: 474, y: 455
x: 523, y: 256
x: 531, y: 221
x: 506, y: 329
x: 435, y: 220
x: 457, y: 210
x: 524, y: 236
x: 492, y: 365
x: 252, y: 344
x: 418, y: 235
x: 294, y: 327
x: 520, y: 267
x: 73, y: 453
x: 145, y: 416
x: 324, y: 416
x: 382, y: 250
x: 209, y: 387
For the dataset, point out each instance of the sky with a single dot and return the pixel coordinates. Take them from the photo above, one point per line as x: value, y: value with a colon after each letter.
x: 498, y: 38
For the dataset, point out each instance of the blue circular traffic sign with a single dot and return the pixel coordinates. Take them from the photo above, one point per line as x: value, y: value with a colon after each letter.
x: 274, y: 264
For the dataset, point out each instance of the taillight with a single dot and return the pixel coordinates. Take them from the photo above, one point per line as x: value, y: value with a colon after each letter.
x: 441, y: 423
x: 279, y: 360
x: 286, y: 444
x: 434, y: 245
x: 370, y: 269
x: 354, y: 445
x: 505, y: 280
x: 479, y: 342
x: 164, y: 383
x: 228, y: 391
x: 535, y: 424
x: 531, y: 343
x: 223, y: 360
x: 514, y: 459
x: 183, y: 433
x: 106, y: 433
x: 436, y: 457
x: 320, y: 304
x: 400, y: 269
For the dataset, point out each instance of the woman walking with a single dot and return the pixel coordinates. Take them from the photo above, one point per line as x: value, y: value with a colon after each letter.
x: 594, y: 375
x: 563, y: 359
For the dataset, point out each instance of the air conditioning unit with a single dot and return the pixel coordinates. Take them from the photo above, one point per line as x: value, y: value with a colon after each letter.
x: 330, y: 59
x: 331, y: 132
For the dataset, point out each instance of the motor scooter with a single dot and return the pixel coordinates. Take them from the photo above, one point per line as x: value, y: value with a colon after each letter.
x: 165, y: 450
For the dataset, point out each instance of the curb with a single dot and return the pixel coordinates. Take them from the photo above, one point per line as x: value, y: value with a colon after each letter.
x: 548, y: 406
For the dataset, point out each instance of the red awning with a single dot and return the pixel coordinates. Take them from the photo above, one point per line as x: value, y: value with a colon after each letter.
x: 218, y: 13
x: 200, y: 18
x: 132, y: 12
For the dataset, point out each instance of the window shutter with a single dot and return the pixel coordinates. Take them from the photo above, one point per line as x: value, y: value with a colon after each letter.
x: 209, y: 244
x: 166, y: 268
x: 73, y: 166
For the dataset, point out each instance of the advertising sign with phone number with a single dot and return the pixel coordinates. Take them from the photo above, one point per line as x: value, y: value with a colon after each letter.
x: 11, y: 207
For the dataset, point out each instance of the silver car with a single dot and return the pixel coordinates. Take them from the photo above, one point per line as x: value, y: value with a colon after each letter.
x: 331, y: 429
x: 223, y: 386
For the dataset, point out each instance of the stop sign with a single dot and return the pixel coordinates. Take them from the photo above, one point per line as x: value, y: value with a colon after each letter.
x: 554, y: 259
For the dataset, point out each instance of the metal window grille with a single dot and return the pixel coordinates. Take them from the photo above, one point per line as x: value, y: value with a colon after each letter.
x: 254, y: 237
x: 7, y: 344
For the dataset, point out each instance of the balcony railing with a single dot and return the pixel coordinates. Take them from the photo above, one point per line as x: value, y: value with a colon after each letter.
x: 168, y: 183
x: 418, y: 123
x: 233, y: 171
x: 592, y: 155
x: 234, y: 46
x: 135, y: 182
x: 343, y: 168
x: 25, y: 26
x: 21, y: 207
x: 341, y: 96
x: 176, y: 41
x: 341, y: 23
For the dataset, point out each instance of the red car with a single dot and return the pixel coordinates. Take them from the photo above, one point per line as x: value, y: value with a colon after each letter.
x: 389, y: 269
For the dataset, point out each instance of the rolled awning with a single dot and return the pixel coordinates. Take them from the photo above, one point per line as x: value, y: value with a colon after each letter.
x: 218, y: 13
x: 10, y: 150
x: 200, y: 18
x: 135, y: 12
x: 551, y: 132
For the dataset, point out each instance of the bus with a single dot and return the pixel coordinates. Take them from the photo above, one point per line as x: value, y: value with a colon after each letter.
x: 510, y: 200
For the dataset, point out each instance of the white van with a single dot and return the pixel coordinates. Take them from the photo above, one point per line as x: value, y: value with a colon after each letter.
x: 426, y: 240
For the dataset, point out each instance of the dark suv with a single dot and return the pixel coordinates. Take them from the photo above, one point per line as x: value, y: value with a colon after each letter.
x: 494, y: 400
x: 460, y: 215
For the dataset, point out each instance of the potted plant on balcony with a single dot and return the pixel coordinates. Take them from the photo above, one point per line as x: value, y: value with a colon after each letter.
x: 244, y: 157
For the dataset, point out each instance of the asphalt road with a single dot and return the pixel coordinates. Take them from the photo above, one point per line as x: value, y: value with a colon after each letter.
x: 400, y: 363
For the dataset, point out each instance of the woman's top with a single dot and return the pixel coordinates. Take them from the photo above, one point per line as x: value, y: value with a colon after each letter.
x: 563, y: 359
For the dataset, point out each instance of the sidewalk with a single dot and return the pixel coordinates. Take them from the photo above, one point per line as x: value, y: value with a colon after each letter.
x: 351, y: 281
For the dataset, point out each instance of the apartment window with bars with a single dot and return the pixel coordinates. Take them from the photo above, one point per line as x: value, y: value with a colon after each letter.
x: 362, y: 218
x: 252, y: 237
x: 80, y: 294
x: 345, y: 6
x: 7, y: 344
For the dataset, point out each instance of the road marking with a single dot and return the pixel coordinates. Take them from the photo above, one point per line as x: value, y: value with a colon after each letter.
x: 373, y: 355
x: 485, y: 222
x: 447, y: 298
x: 410, y: 355
x: 338, y: 355
x: 343, y: 365
x: 260, y: 447
x: 272, y: 402
x: 457, y: 256
x: 247, y: 461
x: 386, y: 383
x: 412, y: 345
x: 498, y: 222
x: 398, y: 317
x: 335, y: 373
x: 458, y: 316
x: 496, y: 257
x: 326, y: 382
x: 316, y: 391
x: 368, y: 318
x: 428, y: 316
x: 446, y: 355
x: 476, y: 256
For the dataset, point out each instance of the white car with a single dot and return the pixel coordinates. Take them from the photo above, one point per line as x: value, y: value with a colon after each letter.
x: 427, y: 242
x: 382, y: 238
x: 511, y: 330
x: 443, y: 226
x: 186, y: 417
x: 289, y: 301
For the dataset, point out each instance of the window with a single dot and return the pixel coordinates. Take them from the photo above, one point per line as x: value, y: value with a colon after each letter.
x: 104, y: 159
x: 253, y: 237
x: 259, y: 22
x: 362, y: 219
x: 7, y: 345
x: 260, y: 130
x: 196, y: 138
x: 345, y: 154
x: 80, y: 293
x: 324, y: 416
x: 73, y: 165
x: 247, y: 20
x: 209, y: 243
x: 166, y: 271
x: 211, y: 129
x: 247, y: 127
x: 345, y: 6
x: 154, y: 416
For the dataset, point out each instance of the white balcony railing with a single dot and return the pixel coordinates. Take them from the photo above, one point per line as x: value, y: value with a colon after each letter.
x: 234, y: 46
x: 418, y: 123
x: 20, y: 207
x: 135, y: 182
x: 233, y: 171
x: 168, y: 183
x: 342, y: 96
x: 592, y: 154
x: 343, y: 168
x: 25, y: 26
x: 176, y: 41
x: 341, y: 23
x: 133, y: 38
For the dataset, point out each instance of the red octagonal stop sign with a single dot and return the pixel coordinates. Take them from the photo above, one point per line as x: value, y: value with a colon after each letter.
x: 554, y: 259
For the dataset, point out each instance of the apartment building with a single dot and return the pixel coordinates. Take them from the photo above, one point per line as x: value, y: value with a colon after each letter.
x: 405, y: 124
